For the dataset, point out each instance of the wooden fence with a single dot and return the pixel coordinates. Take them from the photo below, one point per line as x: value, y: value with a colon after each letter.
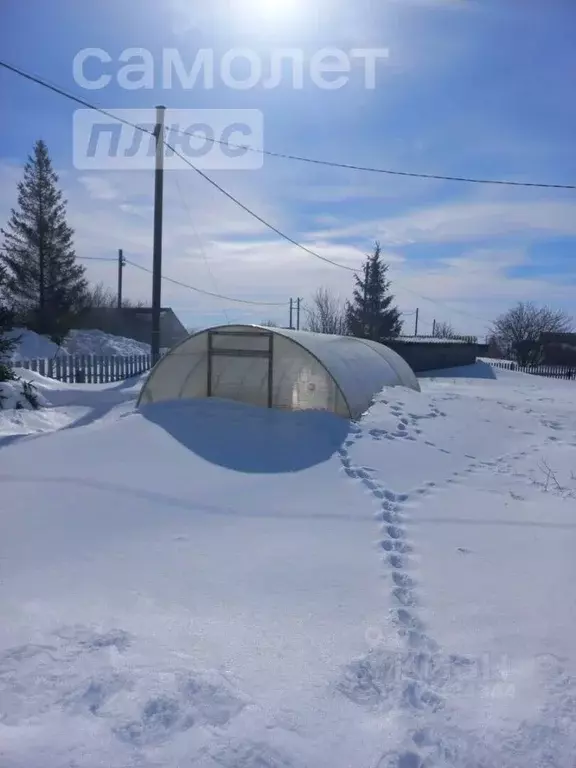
x: 88, y: 369
x: 549, y: 371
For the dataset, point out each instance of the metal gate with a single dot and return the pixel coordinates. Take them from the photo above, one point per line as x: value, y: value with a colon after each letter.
x: 240, y: 366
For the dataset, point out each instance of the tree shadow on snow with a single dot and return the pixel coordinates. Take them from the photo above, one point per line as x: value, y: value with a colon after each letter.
x: 249, y: 439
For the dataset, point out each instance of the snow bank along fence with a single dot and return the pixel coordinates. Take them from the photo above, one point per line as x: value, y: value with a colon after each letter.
x: 88, y: 369
x: 550, y: 371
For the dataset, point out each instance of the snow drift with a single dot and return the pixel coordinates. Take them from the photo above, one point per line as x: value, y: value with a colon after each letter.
x: 79, y: 342
x: 209, y: 587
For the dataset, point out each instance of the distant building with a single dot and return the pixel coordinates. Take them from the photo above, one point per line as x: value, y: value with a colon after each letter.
x: 135, y: 323
x: 558, y: 348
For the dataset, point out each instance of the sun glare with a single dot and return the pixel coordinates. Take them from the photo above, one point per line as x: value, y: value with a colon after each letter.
x: 271, y: 10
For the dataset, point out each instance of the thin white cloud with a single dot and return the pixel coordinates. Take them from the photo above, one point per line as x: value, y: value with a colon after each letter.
x: 210, y: 243
x: 471, y: 290
x: 99, y: 187
x: 374, y: 189
x: 144, y: 211
x: 465, y: 222
x: 441, y: 4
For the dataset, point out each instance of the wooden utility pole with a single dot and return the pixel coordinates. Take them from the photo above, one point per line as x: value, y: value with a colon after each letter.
x: 157, y: 254
x: 291, y: 313
x: 416, y: 323
x: 121, y: 265
x: 434, y: 328
x: 298, y: 303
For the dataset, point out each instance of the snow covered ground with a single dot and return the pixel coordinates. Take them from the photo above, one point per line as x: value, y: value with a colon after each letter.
x: 78, y: 342
x: 208, y: 585
x: 64, y: 405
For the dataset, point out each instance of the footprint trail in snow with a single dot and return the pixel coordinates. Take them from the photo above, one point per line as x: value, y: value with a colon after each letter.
x: 406, y: 671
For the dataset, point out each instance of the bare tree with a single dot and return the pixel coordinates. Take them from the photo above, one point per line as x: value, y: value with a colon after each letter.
x: 135, y: 303
x: 518, y: 331
x: 495, y: 350
x: 443, y: 331
x: 100, y: 296
x: 326, y: 313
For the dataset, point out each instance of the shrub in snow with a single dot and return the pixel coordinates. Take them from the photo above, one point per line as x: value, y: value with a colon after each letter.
x: 19, y: 395
x: 7, y: 344
x: 30, y: 395
x: 14, y: 392
x: 6, y: 372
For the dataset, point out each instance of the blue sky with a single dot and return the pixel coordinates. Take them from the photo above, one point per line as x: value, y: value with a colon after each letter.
x: 469, y: 88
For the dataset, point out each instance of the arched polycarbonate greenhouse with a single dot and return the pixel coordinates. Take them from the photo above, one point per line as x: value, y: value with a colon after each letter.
x: 278, y: 368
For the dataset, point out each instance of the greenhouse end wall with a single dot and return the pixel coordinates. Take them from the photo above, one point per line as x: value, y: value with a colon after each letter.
x: 279, y: 368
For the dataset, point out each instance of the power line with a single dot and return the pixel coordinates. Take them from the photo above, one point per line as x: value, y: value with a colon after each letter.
x: 440, y: 303
x: 186, y: 208
x: 61, y: 92
x: 80, y: 258
x: 96, y: 258
x: 370, y: 169
x: 231, y: 197
x: 281, y: 304
x: 256, y: 216
x: 186, y: 285
x: 299, y: 245
x: 297, y: 158
x: 209, y: 293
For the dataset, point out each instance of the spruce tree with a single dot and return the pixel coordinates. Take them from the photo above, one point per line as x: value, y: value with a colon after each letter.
x: 7, y: 343
x: 44, y: 284
x: 371, y: 315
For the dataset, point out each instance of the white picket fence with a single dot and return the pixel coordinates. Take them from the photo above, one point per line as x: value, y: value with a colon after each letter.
x: 550, y: 371
x: 88, y: 369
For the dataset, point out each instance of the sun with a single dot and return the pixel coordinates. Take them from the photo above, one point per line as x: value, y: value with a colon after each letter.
x: 272, y: 16
x: 271, y: 10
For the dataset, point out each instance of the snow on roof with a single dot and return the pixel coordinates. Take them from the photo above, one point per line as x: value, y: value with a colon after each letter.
x: 429, y: 340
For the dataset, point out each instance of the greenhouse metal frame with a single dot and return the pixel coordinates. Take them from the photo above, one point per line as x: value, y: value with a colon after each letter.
x: 278, y: 368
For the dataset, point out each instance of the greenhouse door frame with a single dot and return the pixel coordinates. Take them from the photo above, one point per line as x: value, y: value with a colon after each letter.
x: 267, y: 354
